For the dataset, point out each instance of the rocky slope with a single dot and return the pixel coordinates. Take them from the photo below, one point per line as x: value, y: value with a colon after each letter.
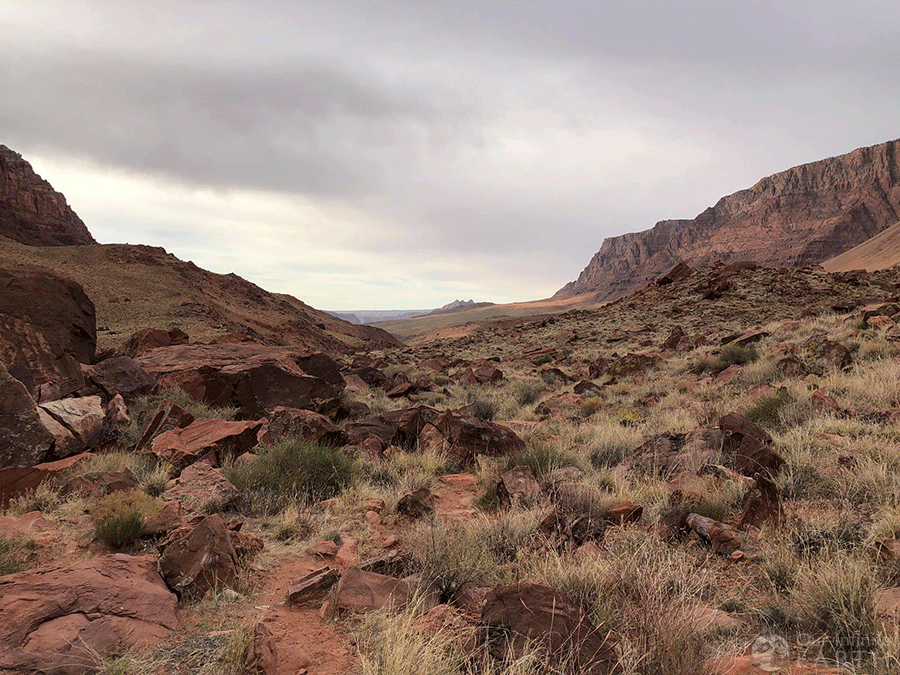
x: 801, y: 216
x: 136, y: 287
x: 880, y: 252
x: 31, y: 211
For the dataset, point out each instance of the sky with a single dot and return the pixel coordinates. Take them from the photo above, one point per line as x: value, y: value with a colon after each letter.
x: 401, y: 154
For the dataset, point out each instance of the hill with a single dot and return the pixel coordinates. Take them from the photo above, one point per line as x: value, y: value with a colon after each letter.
x: 135, y: 287
x: 801, y: 216
x: 880, y: 252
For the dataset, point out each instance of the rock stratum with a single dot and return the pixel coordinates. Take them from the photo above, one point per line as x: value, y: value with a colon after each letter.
x: 31, y: 211
x: 798, y: 217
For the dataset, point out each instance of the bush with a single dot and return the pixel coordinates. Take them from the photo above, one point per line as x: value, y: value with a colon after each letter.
x: 766, y: 412
x: 541, y: 459
x: 119, y: 517
x: 290, y: 469
x: 13, y: 555
x: 483, y: 410
x: 528, y: 391
x: 736, y: 355
x: 121, y: 530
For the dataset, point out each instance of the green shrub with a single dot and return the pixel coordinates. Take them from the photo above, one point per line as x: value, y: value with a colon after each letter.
x: 483, y: 410
x: 291, y: 469
x: 119, y: 517
x: 121, y: 530
x: 13, y: 555
x: 590, y: 405
x: 542, y: 459
x: 528, y: 391
x: 737, y: 355
x: 766, y: 412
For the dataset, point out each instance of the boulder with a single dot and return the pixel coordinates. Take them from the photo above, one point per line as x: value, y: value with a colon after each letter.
x: 24, y: 441
x: 120, y: 375
x: 467, y: 437
x: 312, y: 586
x: 680, y: 271
x: 416, y: 504
x: 526, y: 613
x: 305, y: 424
x: 824, y: 356
x: 518, y: 487
x: 83, y: 419
x: 47, y: 329
x: 151, y: 338
x: 210, y: 439
x: 168, y: 417
x: 57, y: 618
x: 707, y: 620
x: 254, y: 378
x: 18, y: 480
x: 201, y: 484
x: 261, y: 655
x: 24, y: 526
x: 360, y: 591
x: 721, y: 538
x: 199, y: 558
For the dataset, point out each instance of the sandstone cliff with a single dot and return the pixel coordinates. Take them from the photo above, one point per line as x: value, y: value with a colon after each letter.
x: 31, y: 211
x: 798, y: 217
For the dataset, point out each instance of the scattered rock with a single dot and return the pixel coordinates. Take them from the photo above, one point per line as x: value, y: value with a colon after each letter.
x: 209, y: 439
x: 169, y: 417
x: 517, y: 487
x: 312, y: 586
x: 304, y: 424
x: 120, y: 375
x: 707, y: 620
x: 518, y: 615
x: 416, y: 504
x: 625, y: 512
x: 200, y: 485
x: 199, y: 558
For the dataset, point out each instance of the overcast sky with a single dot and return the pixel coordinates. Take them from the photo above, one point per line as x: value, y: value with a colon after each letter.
x: 381, y: 155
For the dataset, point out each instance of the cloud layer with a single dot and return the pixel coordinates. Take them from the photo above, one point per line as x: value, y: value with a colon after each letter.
x: 401, y: 154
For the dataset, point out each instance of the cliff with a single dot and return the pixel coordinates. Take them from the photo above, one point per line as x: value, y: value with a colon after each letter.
x: 798, y: 217
x: 31, y: 211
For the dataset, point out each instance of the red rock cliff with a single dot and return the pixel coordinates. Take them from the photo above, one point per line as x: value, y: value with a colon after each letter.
x: 798, y: 217
x: 31, y: 211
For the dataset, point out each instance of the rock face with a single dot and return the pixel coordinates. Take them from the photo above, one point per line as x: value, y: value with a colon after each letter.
x: 24, y: 441
x: 31, y: 211
x: 798, y: 217
x: 54, y: 618
x: 254, y: 378
x: 48, y: 327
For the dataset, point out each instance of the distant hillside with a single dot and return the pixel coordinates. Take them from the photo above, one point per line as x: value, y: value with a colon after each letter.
x: 880, y: 252
x: 798, y: 217
x: 137, y: 287
x: 31, y: 211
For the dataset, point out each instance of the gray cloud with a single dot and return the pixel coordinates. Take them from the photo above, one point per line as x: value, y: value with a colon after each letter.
x: 501, y: 139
